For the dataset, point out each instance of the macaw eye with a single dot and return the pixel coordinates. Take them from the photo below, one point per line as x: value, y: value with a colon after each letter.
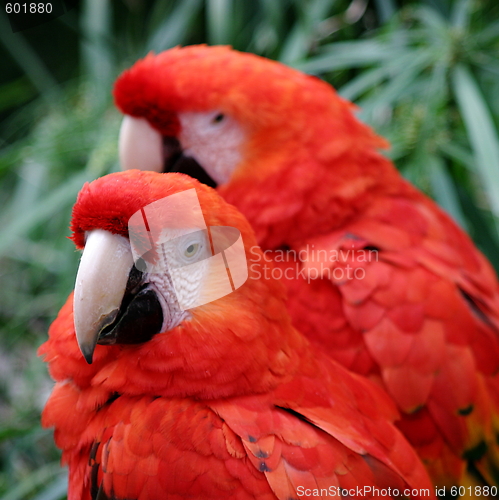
x: 191, y: 250
x: 218, y: 118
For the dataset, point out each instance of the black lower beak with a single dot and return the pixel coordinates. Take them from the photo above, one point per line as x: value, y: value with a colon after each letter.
x: 176, y: 161
x: 140, y: 316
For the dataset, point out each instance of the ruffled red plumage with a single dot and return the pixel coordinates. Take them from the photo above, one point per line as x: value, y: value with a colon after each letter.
x: 424, y: 319
x: 233, y: 403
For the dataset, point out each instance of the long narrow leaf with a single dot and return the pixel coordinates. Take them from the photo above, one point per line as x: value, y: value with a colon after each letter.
x: 15, y: 93
x: 460, y: 14
x: 175, y: 28
x: 27, y: 191
x: 364, y: 82
x: 481, y: 227
x: 33, y: 481
x: 400, y: 84
x: 219, y: 20
x: 444, y: 191
x: 96, y: 27
x: 343, y: 55
x: 55, y: 490
x: 298, y: 42
x: 296, y: 45
x: 481, y: 130
x: 435, y: 21
x: 458, y: 153
x: 28, y: 60
x: 103, y: 154
x: 386, y: 9
x: 26, y: 220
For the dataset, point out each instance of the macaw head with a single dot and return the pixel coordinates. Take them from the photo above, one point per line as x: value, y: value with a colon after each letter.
x: 168, y: 267
x: 264, y: 133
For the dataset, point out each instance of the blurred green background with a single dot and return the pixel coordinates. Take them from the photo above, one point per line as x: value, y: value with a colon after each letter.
x: 424, y: 74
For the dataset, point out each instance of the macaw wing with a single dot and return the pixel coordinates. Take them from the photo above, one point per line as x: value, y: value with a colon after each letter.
x: 138, y: 447
x: 331, y: 432
x: 147, y: 448
x: 420, y: 308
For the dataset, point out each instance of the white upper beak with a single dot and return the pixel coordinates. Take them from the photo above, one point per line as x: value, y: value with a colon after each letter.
x: 140, y: 145
x: 100, y: 286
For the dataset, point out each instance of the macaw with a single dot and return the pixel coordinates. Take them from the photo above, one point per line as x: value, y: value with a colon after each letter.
x: 223, y: 400
x: 378, y: 276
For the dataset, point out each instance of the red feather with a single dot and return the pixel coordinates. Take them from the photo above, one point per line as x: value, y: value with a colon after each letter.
x: 260, y: 416
x: 424, y: 318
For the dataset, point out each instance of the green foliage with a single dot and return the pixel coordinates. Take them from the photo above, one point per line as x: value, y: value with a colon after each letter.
x: 423, y: 81
x: 424, y: 75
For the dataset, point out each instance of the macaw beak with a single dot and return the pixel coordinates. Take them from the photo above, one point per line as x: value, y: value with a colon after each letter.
x: 140, y: 145
x: 100, y: 286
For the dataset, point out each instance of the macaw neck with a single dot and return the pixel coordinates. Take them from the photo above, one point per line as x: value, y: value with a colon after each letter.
x: 226, y: 349
x: 243, y: 343
x: 306, y: 197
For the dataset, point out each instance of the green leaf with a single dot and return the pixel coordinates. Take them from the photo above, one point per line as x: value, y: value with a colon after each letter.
x: 97, y: 56
x: 346, y: 55
x: 24, y: 216
x: 444, y: 191
x: 404, y: 67
x: 56, y: 490
x: 33, y: 481
x: 27, y: 191
x: 219, y: 14
x: 28, y: 60
x: 11, y: 432
x: 488, y: 34
x: 386, y: 9
x: 431, y: 19
x: 175, y: 28
x: 460, y: 14
x: 296, y: 45
x: 481, y: 131
x: 457, y: 152
x: 15, y: 93
x: 402, y: 82
x: 491, y: 67
x: 301, y: 37
x: 481, y: 227
x: 364, y: 82
x: 274, y: 12
x: 23, y: 222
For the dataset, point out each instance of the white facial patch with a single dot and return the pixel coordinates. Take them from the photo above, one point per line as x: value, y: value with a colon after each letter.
x: 214, y: 140
x: 185, y: 258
